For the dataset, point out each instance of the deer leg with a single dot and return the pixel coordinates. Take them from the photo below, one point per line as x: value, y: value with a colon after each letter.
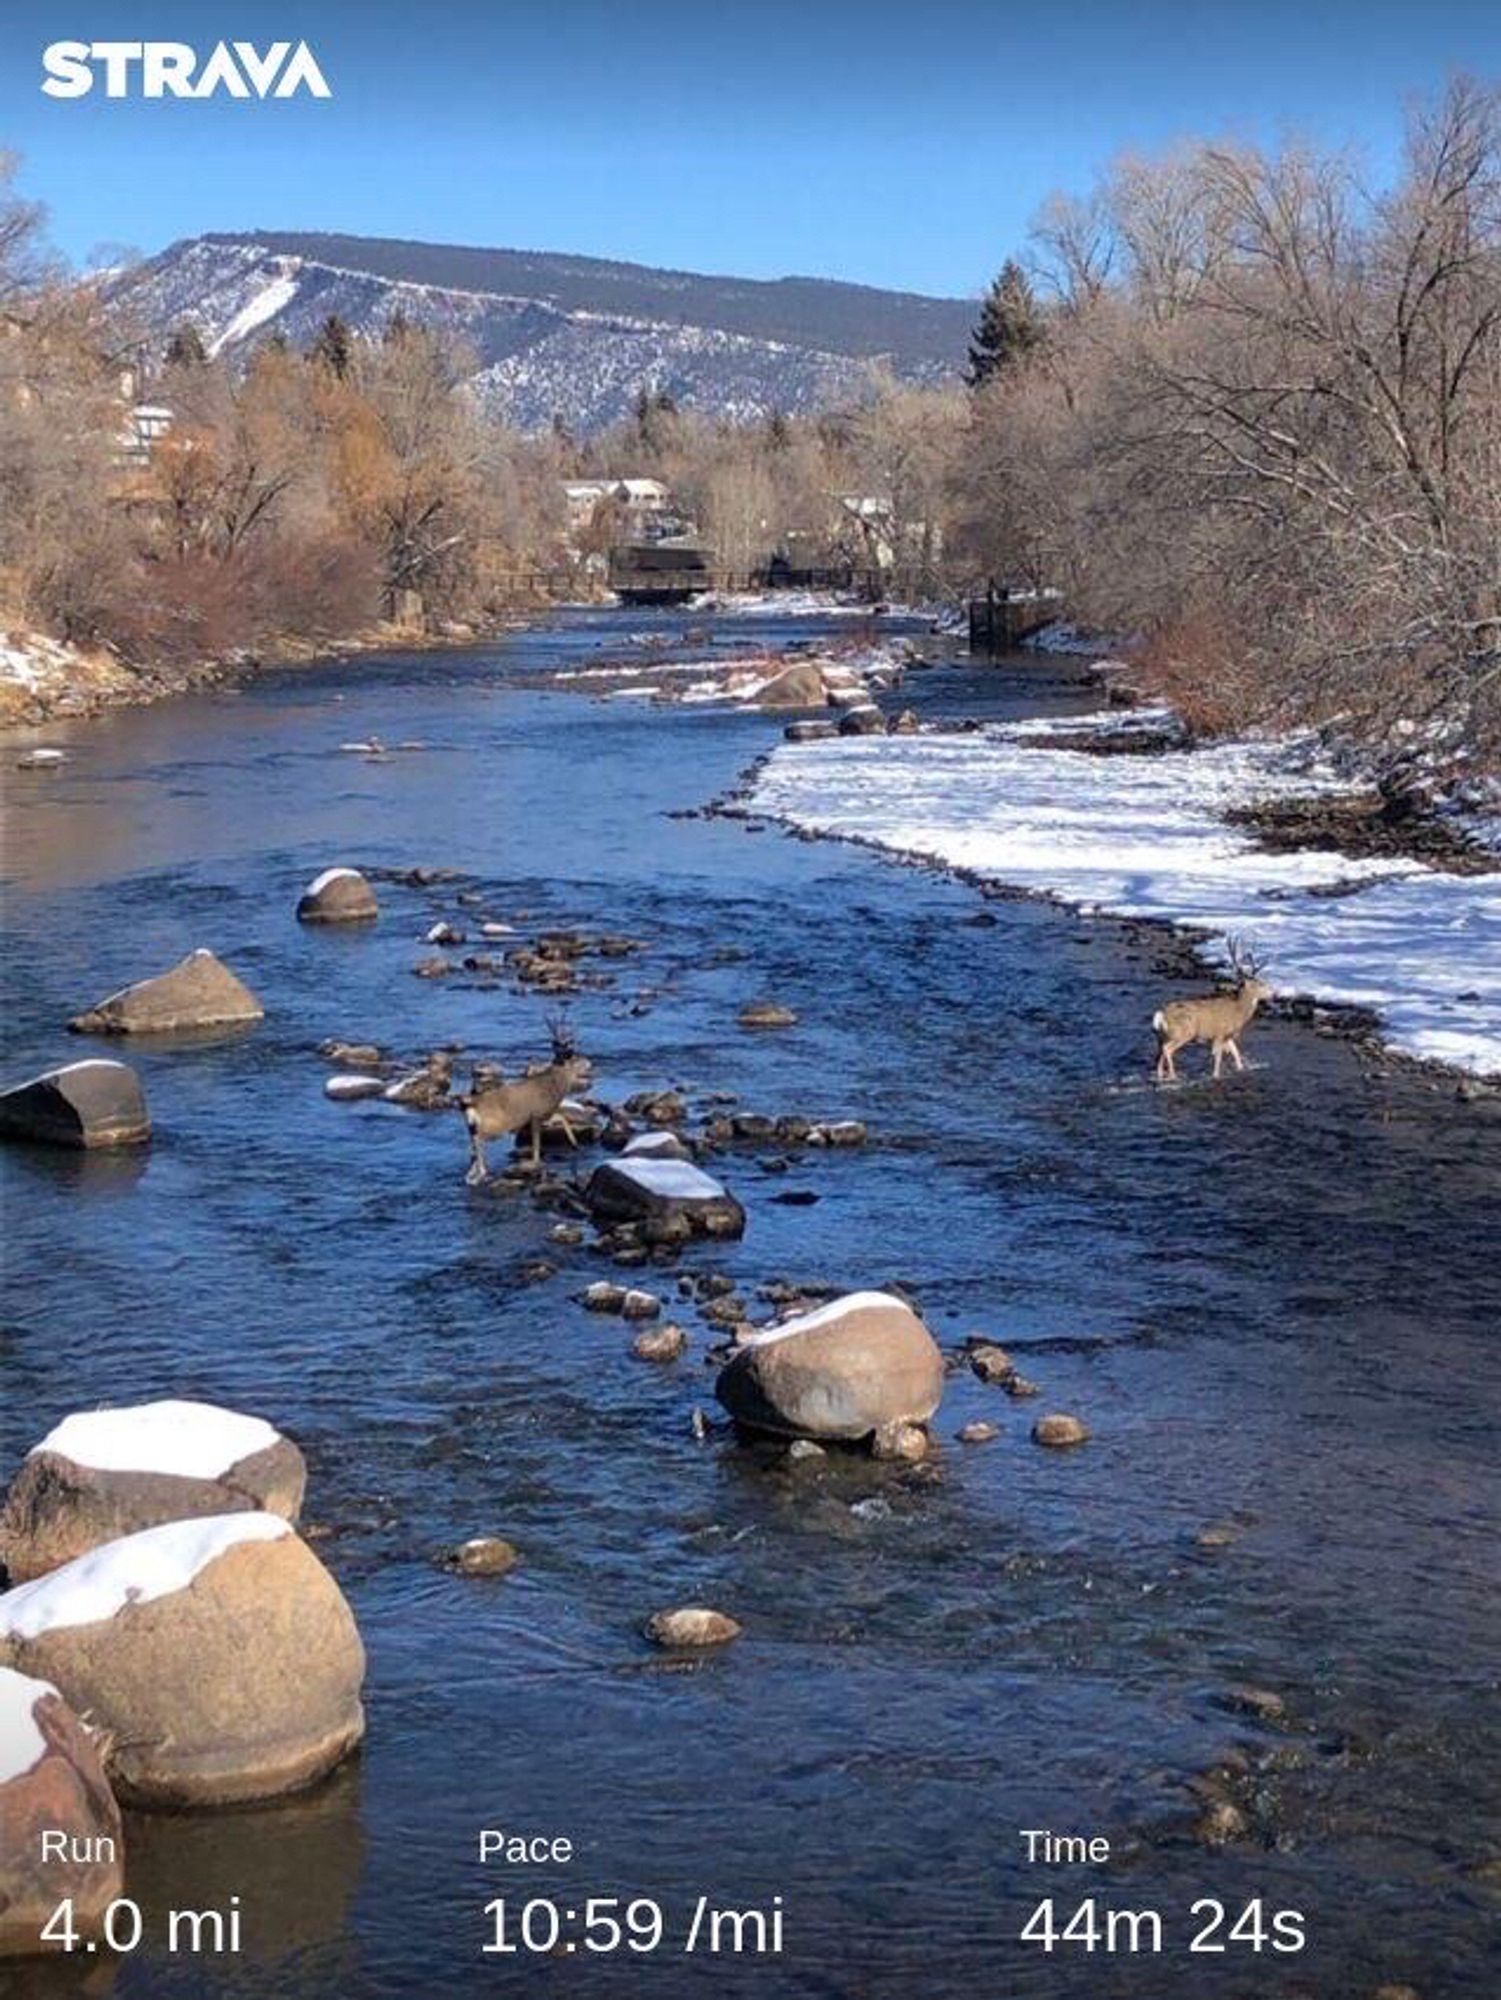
x: 1234, y: 1049
x: 568, y: 1131
x: 536, y: 1145
x: 1219, y: 1056
x: 479, y: 1171
x: 1167, y: 1069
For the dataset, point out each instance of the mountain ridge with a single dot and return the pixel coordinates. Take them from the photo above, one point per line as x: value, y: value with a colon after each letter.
x: 556, y: 334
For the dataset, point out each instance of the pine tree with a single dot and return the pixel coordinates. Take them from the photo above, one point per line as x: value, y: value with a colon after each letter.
x: 334, y: 346
x: 185, y: 348
x: 1010, y: 329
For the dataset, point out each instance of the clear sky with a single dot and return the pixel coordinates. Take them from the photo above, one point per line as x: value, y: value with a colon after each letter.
x: 895, y: 144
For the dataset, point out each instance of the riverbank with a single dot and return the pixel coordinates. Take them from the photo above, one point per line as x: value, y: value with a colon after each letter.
x: 45, y: 680
x: 1173, y: 834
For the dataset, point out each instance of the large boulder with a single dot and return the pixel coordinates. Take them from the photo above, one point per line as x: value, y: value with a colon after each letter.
x: 106, y: 1473
x: 217, y: 1657
x: 87, y: 1104
x: 663, y: 1196
x: 337, y: 896
x: 198, y: 992
x: 59, y: 1824
x: 864, y: 1364
x: 799, y: 686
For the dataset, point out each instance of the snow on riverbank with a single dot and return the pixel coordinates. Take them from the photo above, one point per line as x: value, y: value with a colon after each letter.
x: 1145, y: 836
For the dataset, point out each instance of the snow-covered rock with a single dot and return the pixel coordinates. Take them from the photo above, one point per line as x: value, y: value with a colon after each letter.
x: 667, y: 1197
x: 84, y: 1104
x: 217, y: 1656
x: 105, y: 1473
x: 859, y: 1366
x: 337, y: 896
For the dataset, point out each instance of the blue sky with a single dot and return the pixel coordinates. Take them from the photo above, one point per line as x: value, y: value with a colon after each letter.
x: 896, y: 145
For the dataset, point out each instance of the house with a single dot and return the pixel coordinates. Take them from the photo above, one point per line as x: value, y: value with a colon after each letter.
x: 637, y: 510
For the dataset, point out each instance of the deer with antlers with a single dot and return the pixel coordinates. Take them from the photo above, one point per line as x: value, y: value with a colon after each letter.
x: 1220, y: 1020
x: 494, y: 1108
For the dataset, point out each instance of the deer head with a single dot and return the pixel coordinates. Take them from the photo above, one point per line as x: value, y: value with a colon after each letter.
x: 1247, y: 968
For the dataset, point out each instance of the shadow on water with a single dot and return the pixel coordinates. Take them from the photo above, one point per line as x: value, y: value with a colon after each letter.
x: 1273, y: 1303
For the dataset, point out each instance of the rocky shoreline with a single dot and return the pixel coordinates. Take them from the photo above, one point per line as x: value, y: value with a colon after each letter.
x: 44, y: 681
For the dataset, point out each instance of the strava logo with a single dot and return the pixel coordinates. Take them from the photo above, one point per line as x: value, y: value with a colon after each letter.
x: 174, y: 69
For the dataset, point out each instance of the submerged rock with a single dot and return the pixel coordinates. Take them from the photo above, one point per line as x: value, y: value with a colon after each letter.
x: 691, y: 1625
x: 767, y: 1014
x: 352, y: 1055
x: 51, y: 1781
x: 217, y: 1656
x: 85, y: 1104
x: 659, y: 1343
x: 337, y: 896
x: 1059, y: 1431
x: 862, y: 1364
x: 978, y: 1432
x: 810, y: 731
x: 198, y: 992
x: 105, y: 1473
x: 483, y: 1555
x: 662, y: 1196
x: 991, y: 1363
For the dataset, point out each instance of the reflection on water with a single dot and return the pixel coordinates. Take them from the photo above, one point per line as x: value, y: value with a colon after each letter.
x: 1273, y: 1303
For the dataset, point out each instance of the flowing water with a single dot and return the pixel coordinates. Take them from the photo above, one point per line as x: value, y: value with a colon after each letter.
x: 1274, y: 1303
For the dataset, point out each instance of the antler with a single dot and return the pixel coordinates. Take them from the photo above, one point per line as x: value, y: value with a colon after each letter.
x: 1244, y: 962
x: 563, y: 1043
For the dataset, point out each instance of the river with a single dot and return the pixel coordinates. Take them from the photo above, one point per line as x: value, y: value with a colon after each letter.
x: 1274, y: 1304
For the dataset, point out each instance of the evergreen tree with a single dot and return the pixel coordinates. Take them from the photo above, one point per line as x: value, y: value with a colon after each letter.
x: 1010, y: 329
x: 185, y: 348
x: 334, y: 346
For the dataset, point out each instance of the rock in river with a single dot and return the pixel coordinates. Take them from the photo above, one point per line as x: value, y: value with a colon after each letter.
x: 483, y: 1555
x: 337, y: 896
x: 859, y: 1365
x: 198, y: 992
x: 767, y: 1014
x: 1059, y: 1431
x: 691, y: 1625
x: 84, y: 1104
x: 105, y: 1473
x: 799, y: 686
x: 217, y: 1657
x: 51, y: 1783
x: 662, y: 1195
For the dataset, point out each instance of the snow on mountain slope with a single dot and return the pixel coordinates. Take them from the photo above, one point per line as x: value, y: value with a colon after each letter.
x: 540, y: 358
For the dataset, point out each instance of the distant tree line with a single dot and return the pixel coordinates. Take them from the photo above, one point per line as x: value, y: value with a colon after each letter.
x: 1243, y: 409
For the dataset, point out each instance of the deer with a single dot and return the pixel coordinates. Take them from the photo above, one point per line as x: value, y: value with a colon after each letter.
x: 1220, y: 1020
x: 493, y: 1108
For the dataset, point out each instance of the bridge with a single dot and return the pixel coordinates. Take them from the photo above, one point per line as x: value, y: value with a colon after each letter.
x: 1002, y: 618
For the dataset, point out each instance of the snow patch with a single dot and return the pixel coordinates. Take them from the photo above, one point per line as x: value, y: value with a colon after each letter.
x: 187, y: 1440
x: 830, y: 1315
x: 674, y: 1180
x: 330, y: 875
x: 1145, y: 836
x: 136, y: 1569
x: 264, y: 305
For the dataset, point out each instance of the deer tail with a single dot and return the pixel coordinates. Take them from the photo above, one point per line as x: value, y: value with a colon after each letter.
x: 1159, y: 1021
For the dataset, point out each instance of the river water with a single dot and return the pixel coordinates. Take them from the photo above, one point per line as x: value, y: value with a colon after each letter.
x: 1273, y: 1303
